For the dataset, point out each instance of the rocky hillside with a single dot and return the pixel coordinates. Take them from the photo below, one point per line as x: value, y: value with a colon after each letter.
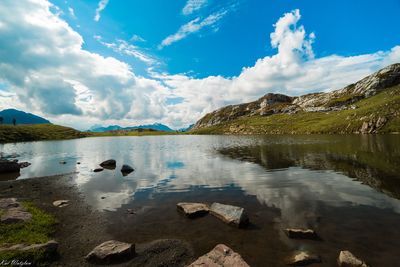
x: 370, y: 105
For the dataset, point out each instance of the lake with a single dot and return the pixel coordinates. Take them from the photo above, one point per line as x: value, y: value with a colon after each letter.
x: 345, y: 187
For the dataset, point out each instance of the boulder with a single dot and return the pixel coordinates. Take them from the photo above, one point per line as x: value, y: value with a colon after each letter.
x: 347, y: 259
x: 63, y: 162
x: 49, y: 248
x: 61, y: 203
x: 126, y: 169
x: 231, y: 215
x: 302, y: 258
x: 111, y: 252
x: 193, y: 210
x: 220, y: 256
x: 98, y: 170
x: 109, y: 164
x: 301, y: 233
x: 15, y: 215
x: 9, y: 166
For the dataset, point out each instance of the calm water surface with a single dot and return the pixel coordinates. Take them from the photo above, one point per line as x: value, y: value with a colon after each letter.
x: 346, y: 187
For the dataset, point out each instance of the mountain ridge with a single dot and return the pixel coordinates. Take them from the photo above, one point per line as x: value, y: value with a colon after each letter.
x: 154, y: 126
x: 21, y: 117
x: 234, y: 118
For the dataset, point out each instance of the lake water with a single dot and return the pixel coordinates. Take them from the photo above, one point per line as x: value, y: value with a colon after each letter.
x: 345, y: 187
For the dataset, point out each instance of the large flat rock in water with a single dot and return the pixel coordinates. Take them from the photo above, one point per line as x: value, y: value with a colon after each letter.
x: 230, y: 214
x: 220, y: 256
x: 111, y: 252
x: 193, y: 210
x: 347, y: 259
x: 297, y: 233
x: 303, y: 258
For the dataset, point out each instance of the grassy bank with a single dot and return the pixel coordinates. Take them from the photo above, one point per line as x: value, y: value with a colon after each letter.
x: 130, y: 133
x: 36, y: 132
x: 37, y: 230
x: 385, y: 104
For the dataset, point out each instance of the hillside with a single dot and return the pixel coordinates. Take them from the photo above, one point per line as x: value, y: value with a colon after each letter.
x: 20, y: 133
x: 371, y: 105
x: 21, y: 117
x: 154, y: 126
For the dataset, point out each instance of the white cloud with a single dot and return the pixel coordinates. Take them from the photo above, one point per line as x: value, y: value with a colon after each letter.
x: 100, y: 7
x: 124, y: 48
x: 71, y: 12
x: 193, y: 26
x: 193, y: 5
x: 49, y: 73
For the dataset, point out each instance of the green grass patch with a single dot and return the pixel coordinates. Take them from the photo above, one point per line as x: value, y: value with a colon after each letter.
x: 38, y: 230
x: 36, y: 132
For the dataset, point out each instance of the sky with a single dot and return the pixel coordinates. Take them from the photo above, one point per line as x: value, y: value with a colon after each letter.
x: 106, y: 62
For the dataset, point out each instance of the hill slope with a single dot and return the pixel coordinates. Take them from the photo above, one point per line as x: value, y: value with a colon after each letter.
x: 21, y: 117
x: 372, y: 105
x: 154, y: 126
x: 19, y: 133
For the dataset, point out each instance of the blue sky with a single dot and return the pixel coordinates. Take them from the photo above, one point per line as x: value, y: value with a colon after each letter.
x: 132, y: 62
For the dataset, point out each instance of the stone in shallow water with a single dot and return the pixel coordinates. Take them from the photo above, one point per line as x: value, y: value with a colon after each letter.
x: 109, y: 164
x: 111, y: 252
x: 61, y: 203
x: 220, y: 256
x: 230, y: 214
x: 98, y: 170
x: 193, y: 210
x: 302, y: 258
x: 301, y: 233
x: 126, y: 169
x: 15, y: 215
x: 347, y: 259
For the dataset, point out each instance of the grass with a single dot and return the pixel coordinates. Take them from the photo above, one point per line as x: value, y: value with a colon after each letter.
x: 35, y: 132
x: 384, y: 104
x: 38, y: 230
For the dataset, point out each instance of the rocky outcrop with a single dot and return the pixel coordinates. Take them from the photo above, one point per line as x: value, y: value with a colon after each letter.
x: 373, y: 126
x: 347, y: 259
x: 9, y: 166
x: 229, y: 214
x: 337, y: 100
x: 192, y: 210
x: 220, y: 256
x: 49, y: 248
x: 111, y: 252
x: 13, y: 212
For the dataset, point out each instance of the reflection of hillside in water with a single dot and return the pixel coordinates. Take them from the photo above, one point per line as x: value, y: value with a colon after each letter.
x: 373, y: 160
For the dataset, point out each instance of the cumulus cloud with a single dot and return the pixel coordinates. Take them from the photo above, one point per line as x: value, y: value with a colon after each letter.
x: 71, y: 12
x: 100, y: 7
x: 193, y: 26
x: 48, y: 72
x: 193, y: 5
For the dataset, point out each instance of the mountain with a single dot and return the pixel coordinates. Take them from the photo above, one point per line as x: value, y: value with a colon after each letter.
x: 21, y: 117
x: 155, y: 126
x: 371, y: 105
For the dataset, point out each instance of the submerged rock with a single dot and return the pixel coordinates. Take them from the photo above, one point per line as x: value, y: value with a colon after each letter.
x: 347, y: 259
x: 220, y: 256
x: 9, y: 166
x: 109, y: 164
x: 63, y: 162
x: 230, y: 214
x: 61, y: 203
x: 98, y: 170
x: 301, y: 233
x: 111, y: 252
x: 126, y: 169
x: 193, y: 210
x: 24, y: 164
x: 302, y: 258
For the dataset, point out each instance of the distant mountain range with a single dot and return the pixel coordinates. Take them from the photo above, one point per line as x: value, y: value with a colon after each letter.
x: 21, y: 117
x: 154, y: 126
